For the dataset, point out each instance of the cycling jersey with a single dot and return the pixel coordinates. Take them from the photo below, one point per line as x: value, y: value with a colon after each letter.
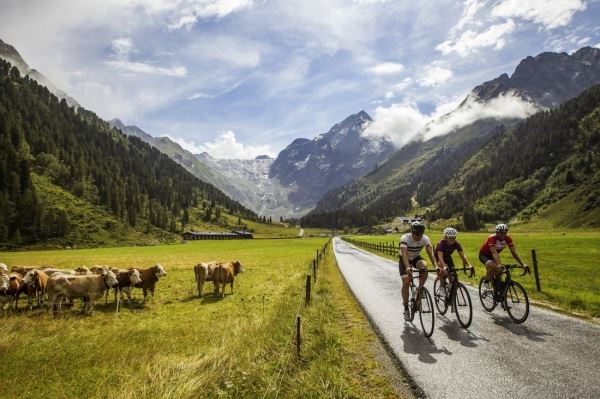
x: 447, y: 249
x: 493, y: 241
x: 414, y: 247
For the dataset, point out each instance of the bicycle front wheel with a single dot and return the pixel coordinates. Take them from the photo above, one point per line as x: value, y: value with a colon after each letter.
x: 440, y: 300
x: 426, y: 312
x: 517, y: 303
x: 486, y: 295
x: 463, y: 306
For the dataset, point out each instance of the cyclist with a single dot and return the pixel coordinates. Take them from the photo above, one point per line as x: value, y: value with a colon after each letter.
x: 411, y: 245
x: 443, y: 254
x: 489, y: 254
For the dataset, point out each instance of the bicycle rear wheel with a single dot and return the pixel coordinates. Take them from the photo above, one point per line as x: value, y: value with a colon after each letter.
x: 517, y: 303
x: 463, y: 306
x: 426, y: 312
x: 440, y: 300
x: 486, y: 295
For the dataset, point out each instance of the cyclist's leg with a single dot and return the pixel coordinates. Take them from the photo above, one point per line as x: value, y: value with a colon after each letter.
x: 405, y: 282
x: 491, y: 267
x: 420, y: 264
x: 450, y: 266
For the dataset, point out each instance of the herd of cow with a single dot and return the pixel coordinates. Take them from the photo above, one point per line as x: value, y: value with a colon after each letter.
x: 51, y: 286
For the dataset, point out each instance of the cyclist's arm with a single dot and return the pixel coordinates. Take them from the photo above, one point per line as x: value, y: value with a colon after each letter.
x: 495, y: 255
x: 429, y: 250
x: 515, y: 255
x: 464, y: 258
x: 404, y: 252
x: 441, y: 263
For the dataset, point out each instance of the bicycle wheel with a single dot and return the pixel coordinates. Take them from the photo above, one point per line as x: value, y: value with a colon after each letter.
x: 463, y: 306
x: 426, y: 312
x: 486, y: 295
x: 440, y: 300
x: 517, y: 303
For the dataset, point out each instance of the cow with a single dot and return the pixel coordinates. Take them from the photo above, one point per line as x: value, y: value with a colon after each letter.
x: 204, y: 272
x: 22, y: 270
x: 89, y: 287
x: 225, y: 274
x: 11, y: 287
x: 36, y: 280
x: 3, y: 267
x: 149, y: 278
x: 125, y: 279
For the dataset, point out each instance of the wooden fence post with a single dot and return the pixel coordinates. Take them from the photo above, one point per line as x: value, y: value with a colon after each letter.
x: 307, y: 299
x: 298, y: 321
x: 314, y: 270
x: 535, y: 271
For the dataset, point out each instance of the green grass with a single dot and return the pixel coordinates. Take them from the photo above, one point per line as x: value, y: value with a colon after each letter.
x: 567, y: 263
x: 182, y: 346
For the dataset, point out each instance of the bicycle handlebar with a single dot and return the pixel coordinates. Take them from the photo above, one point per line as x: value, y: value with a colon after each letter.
x: 526, y: 270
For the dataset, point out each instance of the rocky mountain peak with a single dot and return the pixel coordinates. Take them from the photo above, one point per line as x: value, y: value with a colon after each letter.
x: 548, y: 79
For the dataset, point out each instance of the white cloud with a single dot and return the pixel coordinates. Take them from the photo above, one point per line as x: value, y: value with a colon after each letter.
x: 434, y: 75
x: 140, y: 67
x: 226, y: 146
x: 400, y: 122
x: 205, y: 9
x: 597, y: 45
x: 387, y: 68
x: 389, y: 95
x: 404, y: 84
x: 471, y: 41
x: 505, y: 106
x: 471, y: 9
x: 549, y: 13
x: 403, y: 122
x: 122, y: 47
x: 199, y: 94
x: 228, y: 50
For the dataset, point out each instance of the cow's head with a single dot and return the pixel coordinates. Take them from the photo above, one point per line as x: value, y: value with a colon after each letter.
x: 3, y: 267
x: 4, y: 279
x: 109, y: 277
x: 237, y: 267
x: 83, y: 270
x: 159, y: 271
x: 134, y: 276
x: 30, y: 277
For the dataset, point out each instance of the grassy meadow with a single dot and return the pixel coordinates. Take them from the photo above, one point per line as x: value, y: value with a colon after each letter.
x: 182, y: 346
x: 567, y: 264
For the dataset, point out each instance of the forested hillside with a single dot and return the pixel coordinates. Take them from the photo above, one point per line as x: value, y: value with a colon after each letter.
x: 521, y: 170
x: 82, y: 155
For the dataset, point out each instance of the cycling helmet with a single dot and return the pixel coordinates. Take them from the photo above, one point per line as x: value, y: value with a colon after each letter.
x: 417, y: 227
x: 501, y: 228
x: 450, y: 232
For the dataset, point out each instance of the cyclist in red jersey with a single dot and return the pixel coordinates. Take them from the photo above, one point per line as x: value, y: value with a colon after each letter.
x: 489, y: 253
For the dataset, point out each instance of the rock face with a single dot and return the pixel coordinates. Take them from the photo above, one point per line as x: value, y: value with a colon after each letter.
x: 547, y: 79
x: 253, y: 186
x: 310, y: 168
x: 10, y: 54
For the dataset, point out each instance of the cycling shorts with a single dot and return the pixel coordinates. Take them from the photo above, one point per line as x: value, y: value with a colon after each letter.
x: 412, y: 262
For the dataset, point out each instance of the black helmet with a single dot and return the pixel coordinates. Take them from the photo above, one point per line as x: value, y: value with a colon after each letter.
x: 417, y: 227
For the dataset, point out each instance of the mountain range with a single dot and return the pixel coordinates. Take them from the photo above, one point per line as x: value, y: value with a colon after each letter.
x: 423, y: 175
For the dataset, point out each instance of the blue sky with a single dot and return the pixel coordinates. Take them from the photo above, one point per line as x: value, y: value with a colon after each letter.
x: 243, y: 77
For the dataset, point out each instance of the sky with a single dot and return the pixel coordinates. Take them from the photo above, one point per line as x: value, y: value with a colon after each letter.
x: 241, y: 78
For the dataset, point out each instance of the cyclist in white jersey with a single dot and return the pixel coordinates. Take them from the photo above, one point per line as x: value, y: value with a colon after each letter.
x: 411, y: 245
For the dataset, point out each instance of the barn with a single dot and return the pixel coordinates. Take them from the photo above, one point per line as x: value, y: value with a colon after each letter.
x: 217, y: 235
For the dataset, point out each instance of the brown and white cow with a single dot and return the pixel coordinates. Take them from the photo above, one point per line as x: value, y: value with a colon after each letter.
x: 4, y: 284
x: 126, y: 278
x: 149, y: 278
x: 87, y: 286
x: 204, y: 272
x: 36, y: 280
x: 11, y: 287
x: 225, y: 274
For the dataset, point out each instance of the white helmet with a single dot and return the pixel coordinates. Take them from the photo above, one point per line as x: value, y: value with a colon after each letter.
x: 450, y: 232
x: 501, y: 228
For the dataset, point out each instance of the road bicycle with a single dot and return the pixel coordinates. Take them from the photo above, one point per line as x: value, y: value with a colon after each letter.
x: 456, y: 297
x: 510, y: 294
x: 420, y: 301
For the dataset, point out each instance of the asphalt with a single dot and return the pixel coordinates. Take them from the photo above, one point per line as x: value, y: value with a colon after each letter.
x: 550, y: 355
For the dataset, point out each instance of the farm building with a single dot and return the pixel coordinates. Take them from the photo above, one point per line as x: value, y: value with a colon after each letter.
x: 401, y: 222
x: 214, y: 235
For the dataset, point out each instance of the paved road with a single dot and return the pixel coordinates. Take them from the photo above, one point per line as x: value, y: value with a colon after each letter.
x: 548, y: 356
